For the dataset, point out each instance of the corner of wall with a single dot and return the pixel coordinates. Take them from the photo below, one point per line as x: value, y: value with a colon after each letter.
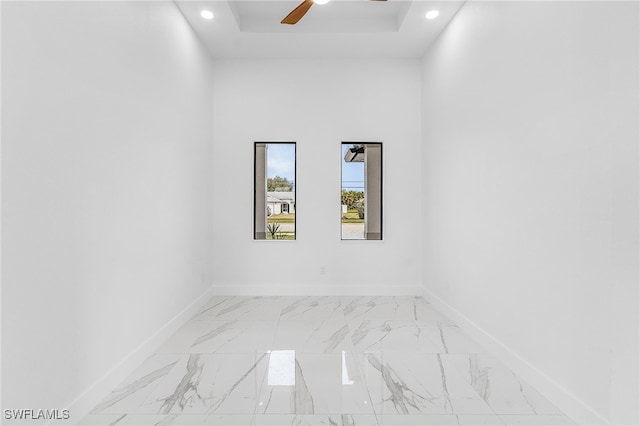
x: 88, y: 399
x: 566, y: 401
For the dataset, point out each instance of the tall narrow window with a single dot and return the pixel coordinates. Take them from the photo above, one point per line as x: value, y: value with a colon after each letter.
x: 274, y: 215
x: 361, y: 192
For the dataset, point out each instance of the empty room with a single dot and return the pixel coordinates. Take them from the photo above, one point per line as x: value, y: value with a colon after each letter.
x: 312, y: 212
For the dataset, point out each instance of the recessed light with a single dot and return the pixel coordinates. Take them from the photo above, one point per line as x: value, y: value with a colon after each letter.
x: 206, y: 14
x: 321, y: 1
x: 432, y: 14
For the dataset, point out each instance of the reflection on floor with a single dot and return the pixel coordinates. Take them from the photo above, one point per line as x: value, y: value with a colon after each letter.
x: 322, y: 361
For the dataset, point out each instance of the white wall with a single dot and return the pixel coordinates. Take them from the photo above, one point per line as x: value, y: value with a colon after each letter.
x: 530, y: 190
x: 317, y: 104
x: 106, y: 179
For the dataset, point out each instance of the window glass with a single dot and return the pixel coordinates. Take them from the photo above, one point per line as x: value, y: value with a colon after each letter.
x: 361, y: 192
x: 275, y: 191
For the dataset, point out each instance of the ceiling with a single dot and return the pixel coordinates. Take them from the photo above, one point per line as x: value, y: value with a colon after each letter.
x: 339, y: 29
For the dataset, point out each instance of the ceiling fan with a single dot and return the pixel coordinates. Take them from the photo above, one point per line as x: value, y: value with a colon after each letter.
x: 297, y: 13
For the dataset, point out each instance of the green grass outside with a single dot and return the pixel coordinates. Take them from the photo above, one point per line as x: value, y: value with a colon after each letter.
x: 283, y: 236
x: 351, y: 217
x: 282, y: 218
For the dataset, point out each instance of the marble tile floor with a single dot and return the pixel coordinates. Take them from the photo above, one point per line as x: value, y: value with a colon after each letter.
x: 337, y: 361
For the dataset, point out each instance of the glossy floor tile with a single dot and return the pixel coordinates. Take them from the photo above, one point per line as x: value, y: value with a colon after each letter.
x: 416, y: 383
x: 322, y: 361
x: 313, y: 384
x: 318, y: 336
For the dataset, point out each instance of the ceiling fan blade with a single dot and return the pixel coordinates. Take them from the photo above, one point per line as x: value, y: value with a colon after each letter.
x: 297, y: 13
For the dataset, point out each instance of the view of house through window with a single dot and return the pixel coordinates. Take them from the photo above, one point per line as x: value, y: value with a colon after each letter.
x: 361, y: 192
x: 275, y: 193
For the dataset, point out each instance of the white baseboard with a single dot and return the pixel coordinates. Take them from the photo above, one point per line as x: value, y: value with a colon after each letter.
x: 320, y: 289
x: 572, y: 406
x: 94, y: 394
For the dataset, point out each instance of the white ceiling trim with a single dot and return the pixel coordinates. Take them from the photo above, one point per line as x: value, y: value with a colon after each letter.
x: 339, y: 29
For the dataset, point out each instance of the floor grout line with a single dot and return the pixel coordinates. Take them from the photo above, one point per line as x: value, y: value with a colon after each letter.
x: 408, y: 353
